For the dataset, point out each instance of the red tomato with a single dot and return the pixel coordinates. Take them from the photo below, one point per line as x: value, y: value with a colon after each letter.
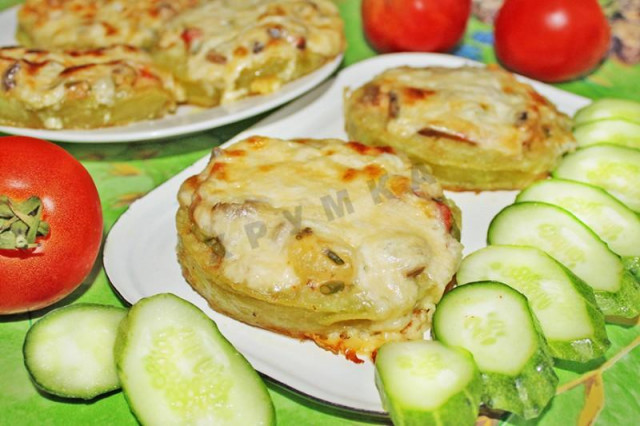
x: 551, y: 40
x: 414, y: 25
x: 32, y: 278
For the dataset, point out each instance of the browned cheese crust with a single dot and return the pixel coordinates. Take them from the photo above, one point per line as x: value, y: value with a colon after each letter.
x: 343, y: 244
x: 82, y: 88
x: 225, y: 50
x: 95, y: 23
x: 478, y: 128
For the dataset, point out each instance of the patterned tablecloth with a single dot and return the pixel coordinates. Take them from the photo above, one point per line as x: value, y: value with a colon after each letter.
x: 607, y: 390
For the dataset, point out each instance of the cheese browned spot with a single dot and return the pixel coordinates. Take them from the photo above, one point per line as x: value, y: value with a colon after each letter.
x: 340, y: 243
x: 476, y: 127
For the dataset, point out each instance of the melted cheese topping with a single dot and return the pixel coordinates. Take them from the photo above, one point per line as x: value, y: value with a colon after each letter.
x: 481, y: 106
x: 223, y: 38
x: 327, y: 216
x: 96, y: 23
x: 43, y: 79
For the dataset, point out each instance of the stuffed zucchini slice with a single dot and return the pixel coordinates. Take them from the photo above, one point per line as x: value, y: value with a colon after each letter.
x: 616, y: 169
x: 611, y: 220
x: 82, y: 89
x: 495, y: 324
x: 223, y: 51
x: 565, y: 306
x: 565, y: 238
x: 176, y: 368
x: 69, y: 351
x: 426, y: 383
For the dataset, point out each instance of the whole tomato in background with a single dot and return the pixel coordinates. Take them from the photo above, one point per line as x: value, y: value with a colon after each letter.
x: 551, y: 40
x: 414, y: 25
x: 50, y: 224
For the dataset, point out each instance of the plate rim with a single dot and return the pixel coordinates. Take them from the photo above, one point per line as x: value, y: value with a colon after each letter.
x: 274, y: 119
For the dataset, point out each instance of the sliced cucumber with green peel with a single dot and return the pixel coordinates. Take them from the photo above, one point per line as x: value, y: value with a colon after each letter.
x: 69, y: 351
x: 494, y: 322
x: 564, y: 305
x: 176, y: 368
x: 616, y: 132
x: 565, y: 238
x: 616, y: 169
x: 426, y: 383
x: 610, y: 219
x: 608, y: 109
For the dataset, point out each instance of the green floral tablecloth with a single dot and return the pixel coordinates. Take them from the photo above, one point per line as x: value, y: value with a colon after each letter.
x: 607, y: 390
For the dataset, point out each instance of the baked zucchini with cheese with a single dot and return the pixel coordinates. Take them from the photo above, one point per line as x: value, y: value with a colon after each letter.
x: 95, y: 23
x: 82, y: 88
x: 344, y: 244
x: 478, y: 128
x: 224, y: 50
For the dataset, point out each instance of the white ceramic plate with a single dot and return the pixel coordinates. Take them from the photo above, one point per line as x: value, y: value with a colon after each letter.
x: 187, y: 119
x: 140, y: 259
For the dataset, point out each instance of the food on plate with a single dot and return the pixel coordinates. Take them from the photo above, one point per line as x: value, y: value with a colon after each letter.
x: 69, y: 351
x: 478, y: 128
x: 50, y: 224
x: 176, y: 367
x: 564, y: 305
x: 539, y: 38
x: 344, y: 244
x: 222, y: 50
x: 427, y: 383
x: 95, y: 23
x: 495, y: 323
x: 616, y: 169
x: 617, y: 132
x: 414, y: 25
x: 615, y: 224
x: 615, y: 121
x: 82, y: 88
x: 568, y: 240
x: 608, y: 109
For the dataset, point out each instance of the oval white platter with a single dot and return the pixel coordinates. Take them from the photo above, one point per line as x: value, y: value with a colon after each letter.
x: 140, y: 260
x: 186, y: 120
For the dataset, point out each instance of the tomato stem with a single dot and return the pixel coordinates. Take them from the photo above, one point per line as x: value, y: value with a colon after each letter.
x: 21, y: 223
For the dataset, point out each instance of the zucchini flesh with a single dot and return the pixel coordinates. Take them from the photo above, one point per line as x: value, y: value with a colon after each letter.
x: 565, y: 238
x: 495, y: 324
x: 610, y: 219
x: 69, y: 351
x: 176, y: 368
x: 427, y: 383
x: 564, y: 305
x: 616, y: 169
x: 615, y: 132
x: 608, y: 109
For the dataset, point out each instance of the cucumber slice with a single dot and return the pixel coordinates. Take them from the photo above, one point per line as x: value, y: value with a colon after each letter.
x: 176, y: 368
x: 607, y: 109
x: 427, y: 383
x: 616, y: 132
x: 616, y: 169
x: 494, y: 322
x: 611, y: 220
x: 563, y: 304
x: 568, y: 240
x: 69, y: 351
